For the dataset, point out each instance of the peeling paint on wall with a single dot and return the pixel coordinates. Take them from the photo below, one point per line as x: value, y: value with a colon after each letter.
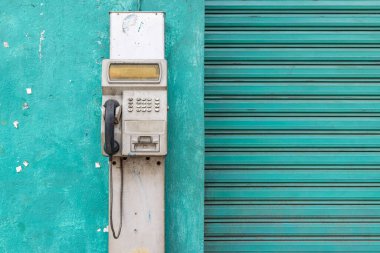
x: 58, y: 202
x: 18, y: 169
x: 15, y: 124
x: 55, y: 200
x: 42, y: 38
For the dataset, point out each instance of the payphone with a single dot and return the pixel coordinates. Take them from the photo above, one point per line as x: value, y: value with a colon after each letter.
x: 134, y: 121
x: 134, y: 126
x: 135, y: 108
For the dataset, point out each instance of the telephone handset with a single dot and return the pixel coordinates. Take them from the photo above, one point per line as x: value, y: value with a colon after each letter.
x: 111, y: 146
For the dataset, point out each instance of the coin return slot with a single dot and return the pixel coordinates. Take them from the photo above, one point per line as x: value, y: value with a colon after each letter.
x: 145, y: 143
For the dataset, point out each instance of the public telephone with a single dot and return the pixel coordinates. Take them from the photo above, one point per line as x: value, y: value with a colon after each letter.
x: 134, y: 114
x: 134, y: 121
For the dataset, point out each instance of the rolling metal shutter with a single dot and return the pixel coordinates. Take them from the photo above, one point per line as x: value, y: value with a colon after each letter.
x: 292, y: 107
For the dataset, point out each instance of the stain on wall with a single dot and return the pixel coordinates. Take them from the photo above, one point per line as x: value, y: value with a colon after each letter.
x: 54, y: 180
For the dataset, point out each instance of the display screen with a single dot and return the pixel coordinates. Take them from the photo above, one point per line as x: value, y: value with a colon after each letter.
x: 134, y: 72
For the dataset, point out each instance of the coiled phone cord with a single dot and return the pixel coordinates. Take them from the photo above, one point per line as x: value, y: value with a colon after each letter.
x: 116, y: 235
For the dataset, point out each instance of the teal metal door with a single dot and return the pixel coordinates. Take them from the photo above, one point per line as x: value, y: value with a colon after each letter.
x: 292, y: 118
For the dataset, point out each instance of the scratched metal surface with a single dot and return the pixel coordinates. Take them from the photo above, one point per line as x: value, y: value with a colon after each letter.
x: 59, y: 201
x: 292, y: 126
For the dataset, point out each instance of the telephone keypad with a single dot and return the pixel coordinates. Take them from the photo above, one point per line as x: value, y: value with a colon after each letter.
x: 144, y: 104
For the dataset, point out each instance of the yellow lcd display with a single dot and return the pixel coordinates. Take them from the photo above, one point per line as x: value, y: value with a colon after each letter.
x: 134, y: 72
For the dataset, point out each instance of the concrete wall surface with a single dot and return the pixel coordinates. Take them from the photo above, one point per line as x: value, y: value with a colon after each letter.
x: 53, y: 178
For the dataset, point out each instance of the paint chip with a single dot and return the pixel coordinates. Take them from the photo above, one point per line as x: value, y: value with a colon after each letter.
x: 26, y: 163
x: 41, y: 14
x: 25, y: 106
x: 42, y: 38
x: 105, y: 230
x: 6, y: 44
x: 97, y: 165
x: 15, y: 124
x: 28, y: 91
x: 18, y: 169
x: 99, y: 230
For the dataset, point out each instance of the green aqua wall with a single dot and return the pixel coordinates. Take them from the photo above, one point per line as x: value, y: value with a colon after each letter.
x: 59, y: 201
